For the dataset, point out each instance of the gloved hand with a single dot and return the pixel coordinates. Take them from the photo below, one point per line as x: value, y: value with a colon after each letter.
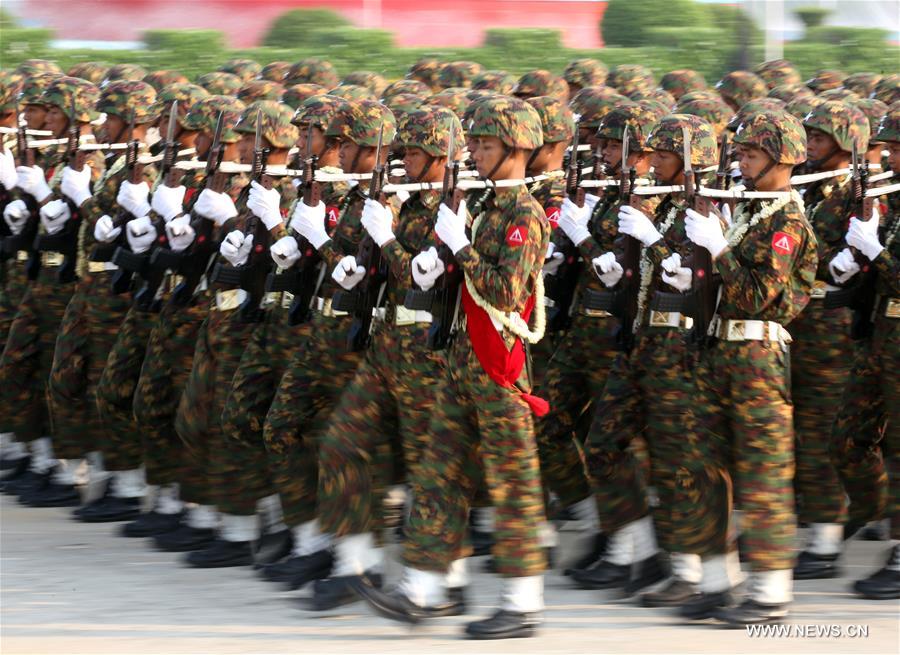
x: 706, y: 232
x: 635, y: 223
x: 310, y: 222
x: 76, y: 185
x: 427, y: 268
x: 217, y: 207
x: 16, y: 214
x: 285, y: 252
x: 725, y: 210
x: 451, y: 227
x: 590, y: 201
x: 140, y: 234
x: 54, y: 215
x: 348, y: 273
x: 8, y: 175
x: 377, y: 219
x: 574, y: 221
x: 104, y: 230
x: 180, y: 233
x: 843, y: 266
x: 265, y: 204
x: 674, y: 274
x: 863, y: 235
x: 168, y: 201
x: 552, y: 261
x: 607, y: 269
x: 31, y: 181
x: 236, y: 247
x: 133, y: 197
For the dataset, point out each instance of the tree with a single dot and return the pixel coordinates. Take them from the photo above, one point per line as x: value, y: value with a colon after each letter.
x: 812, y: 16
x: 292, y: 28
x: 628, y: 23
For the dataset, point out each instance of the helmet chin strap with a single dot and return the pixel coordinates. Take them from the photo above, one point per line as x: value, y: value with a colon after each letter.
x: 493, y: 171
x: 750, y: 183
x: 425, y: 169
x: 816, y: 164
x: 532, y: 157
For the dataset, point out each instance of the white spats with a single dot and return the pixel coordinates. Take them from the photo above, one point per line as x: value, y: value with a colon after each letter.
x: 269, y: 508
x: 65, y: 470
x: 203, y: 517
x: 585, y: 511
x: 523, y: 594
x: 424, y: 588
x: 238, y: 528
x: 129, y: 484
x: 457, y: 575
x: 687, y: 567
x: 353, y: 554
x: 825, y: 538
x: 41, y: 455
x: 308, y: 539
x: 772, y: 587
x: 167, y: 499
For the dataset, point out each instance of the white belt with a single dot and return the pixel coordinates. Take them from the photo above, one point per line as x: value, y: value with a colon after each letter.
x: 670, y: 319
x: 324, y: 307
x: 52, y: 259
x: 101, y: 267
x: 22, y: 255
x: 230, y: 299
x: 280, y: 298
x: 740, y: 330
x: 820, y: 288
x: 892, y: 309
x: 404, y: 316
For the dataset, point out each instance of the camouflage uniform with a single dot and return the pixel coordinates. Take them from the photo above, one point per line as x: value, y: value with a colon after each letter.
x: 161, y: 79
x: 428, y: 72
x: 414, y: 87
x: 31, y: 67
x: 220, y: 83
x: 92, y: 71
x: 776, y: 72
x: 825, y: 80
x: 275, y: 71
x: 295, y: 94
x: 496, y: 81
x: 260, y: 90
x: 888, y: 89
x: 312, y: 71
x: 541, y: 83
x: 788, y: 92
x: 628, y: 79
x: 740, y: 87
x: 580, y: 73
x: 714, y: 112
x: 458, y: 74
x: 680, y: 82
x: 246, y: 69
x: 455, y: 99
x: 372, y: 81
x: 352, y: 92
x: 123, y: 72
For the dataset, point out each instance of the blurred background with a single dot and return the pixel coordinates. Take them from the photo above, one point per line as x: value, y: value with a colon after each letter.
x: 386, y: 36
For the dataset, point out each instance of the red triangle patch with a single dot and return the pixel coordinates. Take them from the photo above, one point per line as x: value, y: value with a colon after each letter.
x: 332, y: 214
x: 553, y: 215
x: 515, y: 236
x: 783, y: 243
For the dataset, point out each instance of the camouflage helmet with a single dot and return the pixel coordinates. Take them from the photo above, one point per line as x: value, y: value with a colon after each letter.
x: 186, y: 95
x: 585, y: 72
x: 630, y: 78
x: 496, y: 81
x: 802, y: 105
x: 639, y: 120
x: 667, y: 135
x: 862, y: 84
x: 541, y: 83
x: 312, y: 71
x: 840, y: 94
x: 776, y: 72
x: 888, y: 89
x: 205, y: 112
x: 889, y: 127
x: 92, y: 71
x: 372, y: 81
x: 411, y: 87
x: 246, y: 69
x: 512, y: 120
x: 455, y: 99
x: 789, y: 92
x: 843, y: 122
x: 360, y: 121
x: 33, y: 87
x: 557, y: 122
x: 429, y: 128
x: 125, y: 98
x: 160, y: 79
x: 275, y: 71
x: 352, y: 92
x: 458, y: 74
x: 403, y: 103
x: 427, y: 71
x: 259, y: 90
x: 295, y: 95
x: 738, y: 88
x: 470, y: 110
x: 826, y: 79
x: 679, y: 82
x: 664, y: 98
x: 37, y: 66
x: 60, y: 91
x: 752, y: 107
x: 874, y: 110
x: 714, y: 112
x: 777, y: 133
x: 592, y: 103
x: 220, y: 83
x: 318, y: 110
x: 126, y: 72
x: 10, y: 84
x: 276, y: 123
x: 702, y: 94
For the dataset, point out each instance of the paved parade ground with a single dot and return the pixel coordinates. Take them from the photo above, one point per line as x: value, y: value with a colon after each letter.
x: 69, y: 587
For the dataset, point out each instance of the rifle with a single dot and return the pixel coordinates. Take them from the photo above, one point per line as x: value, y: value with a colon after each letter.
x: 25, y: 239
x: 626, y: 304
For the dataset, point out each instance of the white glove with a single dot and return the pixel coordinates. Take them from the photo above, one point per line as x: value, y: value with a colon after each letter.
x: 843, y: 266
x: 427, y: 268
x: 236, y: 247
x: 217, y: 207
x: 706, y: 232
x: 285, y: 252
x: 104, y: 230
x: 451, y: 227
x: 180, y: 233
x: 674, y: 274
x: 590, y: 200
x: 607, y: 269
x: 54, y: 215
x: 133, y: 197
x: 8, y: 175
x: 15, y: 214
x: 167, y: 201
x: 552, y: 261
x: 725, y: 210
x: 310, y: 222
x: 265, y: 204
x: 31, y: 180
x: 574, y: 221
x: 377, y: 219
x: 348, y: 273
x: 635, y: 223
x: 140, y: 234
x: 863, y: 235
x: 76, y: 185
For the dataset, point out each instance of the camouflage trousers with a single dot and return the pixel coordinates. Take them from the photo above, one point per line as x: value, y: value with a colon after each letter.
x: 869, y: 422
x: 163, y: 376
x: 12, y: 291
x: 384, y: 410
x: 220, y: 344
x: 748, y: 417
x: 28, y: 356
x: 319, y: 371
x: 821, y: 357
x: 652, y: 392
x: 86, y: 336
x: 477, y: 425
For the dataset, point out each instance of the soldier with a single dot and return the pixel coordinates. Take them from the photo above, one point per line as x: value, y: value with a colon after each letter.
x: 123, y: 72
x: 312, y: 71
x: 294, y: 95
x: 428, y: 72
x: 275, y: 71
x: 246, y: 69
x: 454, y: 99
x: 714, y: 112
x: 680, y: 82
x: 352, y: 92
x: 580, y: 73
x: 740, y: 87
x: 255, y: 90
x: 161, y: 79
x: 414, y: 87
x: 825, y: 80
x: 541, y: 83
x: 767, y: 261
x: 92, y: 71
x: 874, y: 110
x: 630, y: 78
x: 458, y: 74
x: 788, y: 92
x: 372, y: 81
x: 220, y: 83
x: 496, y: 81
x: 776, y: 72
x: 863, y: 84
x: 187, y: 128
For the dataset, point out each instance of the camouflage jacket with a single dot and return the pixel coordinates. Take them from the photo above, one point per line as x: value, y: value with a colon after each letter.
x: 414, y: 233
x: 888, y: 262
x: 348, y: 234
x: 829, y: 205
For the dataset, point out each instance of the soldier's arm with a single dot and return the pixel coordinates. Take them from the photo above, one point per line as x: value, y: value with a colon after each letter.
x: 888, y: 266
x: 831, y: 228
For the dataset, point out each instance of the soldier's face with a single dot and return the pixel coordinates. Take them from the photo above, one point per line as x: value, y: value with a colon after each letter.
x: 611, y: 152
x: 488, y: 153
x: 202, y: 144
x: 894, y: 156
x: 573, y: 90
x: 415, y: 161
x: 667, y: 165
x: 245, y: 148
x: 357, y: 159
x: 819, y: 144
x: 112, y: 128
x: 752, y: 161
x: 541, y: 159
x: 56, y: 121
x: 317, y: 137
x: 35, y: 115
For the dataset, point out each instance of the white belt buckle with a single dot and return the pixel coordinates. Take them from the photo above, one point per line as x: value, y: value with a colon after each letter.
x: 893, y: 308
x: 230, y: 299
x: 735, y: 330
x: 287, y: 298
